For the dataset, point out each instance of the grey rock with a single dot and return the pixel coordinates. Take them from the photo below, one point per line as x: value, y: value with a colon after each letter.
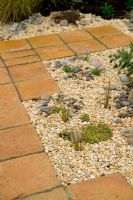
x: 46, y: 98
x: 88, y: 78
x: 101, y: 90
x: 112, y: 87
x: 117, y: 120
x: 76, y: 69
x: 76, y: 105
x: 64, y: 22
x: 123, y: 77
x: 127, y: 132
x: 124, y: 103
x: 45, y: 109
x: 14, y: 27
x: 118, y: 106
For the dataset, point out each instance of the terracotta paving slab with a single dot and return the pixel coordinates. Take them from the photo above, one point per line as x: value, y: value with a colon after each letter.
x: 42, y: 86
x: 1, y: 63
x: 116, y: 40
x: 8, y: 93
x: 103, y: 31
x: 78, y: 35
x: 26, y: 175
x: 4, y: 77
x: 28, y: 71
x: 112, y: 187
x: 88, y: 46
x: 21, y: 60
x: 56, y: 51
x: 12, y: 114
x: 18, y: 54
x: 13, y: 45
x: 56, y: 194
x: 19, y: 141
x: 45, y: 40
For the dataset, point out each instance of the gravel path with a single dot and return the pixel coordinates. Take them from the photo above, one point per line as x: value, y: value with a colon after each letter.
x: 113, y: 155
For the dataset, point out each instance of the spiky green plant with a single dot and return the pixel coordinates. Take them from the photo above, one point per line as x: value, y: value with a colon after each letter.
x: 85, y: 118
x: 56, y: 109
x: 16, y: 10
x: 76, y: 138
x: 64, y: 113
x: 96, y: 71
x: 65, y: 134
x: 67, y: 69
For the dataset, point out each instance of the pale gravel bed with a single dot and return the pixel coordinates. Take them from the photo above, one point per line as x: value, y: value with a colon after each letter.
x: 48, y: 26
x: 113, y: 155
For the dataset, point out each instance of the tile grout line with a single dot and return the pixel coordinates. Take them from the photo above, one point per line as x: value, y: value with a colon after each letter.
x: 11, y: 127
x: 16, y: 157
x: 41, y: 192
x: 96, y: 39
x: 67, y: 193
x: 19, y: 96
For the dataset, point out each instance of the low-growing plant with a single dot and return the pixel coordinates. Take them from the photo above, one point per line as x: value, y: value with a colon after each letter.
x: 124, y: 59
x: 55, y: 109
x: 85, y: 118
x: 96, y: 71
x: 64, y: 113
x: 96, y: 133
x: 76, y: 138
x: 107, y: 96
x: 65, y: 134
x: 11, y: 10
x: 108, y: 10
x: 67, y: 69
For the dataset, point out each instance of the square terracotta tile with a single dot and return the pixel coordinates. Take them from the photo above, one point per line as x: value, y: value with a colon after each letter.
x: 34, y: 88
x: 77, y: 35
x: 112, y: 187
x: 103, y: 31
x: 19, y: 141
x: 13, y: 45
x: 23, y: 60
x: 57, y: 194
x: 26, y: 175
x: 4, y: 77
x: 28, y: 71
x: 18, y: 54
x: 45, y: 40
x: 8, y: 93
x: 12, y: 114
x: 87, y: 46
x: 1, y: 63
x: 116, y: 40
x: 53, y: 52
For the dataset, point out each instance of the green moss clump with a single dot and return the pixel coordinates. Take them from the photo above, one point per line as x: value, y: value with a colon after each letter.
x: 67, y: 69
x: 96, y: 133
x: 96, y: 71
x: 85, y: 118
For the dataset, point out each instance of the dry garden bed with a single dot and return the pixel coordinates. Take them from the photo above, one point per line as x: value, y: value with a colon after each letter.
x: 87, y: 128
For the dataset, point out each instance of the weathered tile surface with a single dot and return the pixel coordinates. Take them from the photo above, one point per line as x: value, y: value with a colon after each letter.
x: 18, y: 54
x: 78, y: 35
x: 4, y: 77
x: 112, y: 187
x: 45, y: 40
x: 56, y: 51
x: 56, y: 194
x: 19, y: 141
x: 13, y: 45
x: 8, y: 93
x: 103, y: 31
x: 82, y: 47
x: 26, y: 175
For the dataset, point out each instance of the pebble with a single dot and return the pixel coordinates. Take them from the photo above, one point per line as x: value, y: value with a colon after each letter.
x: 64, y: 22
x: 123, y: 78
x: 101, y: 90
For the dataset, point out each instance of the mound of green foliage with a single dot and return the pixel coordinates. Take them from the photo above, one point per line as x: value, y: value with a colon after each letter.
x: 17, y: 10
x: 96, y: 133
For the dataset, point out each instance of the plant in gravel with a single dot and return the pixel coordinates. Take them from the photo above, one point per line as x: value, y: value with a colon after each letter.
x: 55, y: 109
x: 85, y: 118
x: 17, y: 10
x: 67, y: 69
x: 124, y: 59
x: 76, y: 138
x: 64, y: 113
x: 96, y: 71
x: 108, y: 10
x: 65, y: 134
x: 107, y: 96
x: 96, y: 133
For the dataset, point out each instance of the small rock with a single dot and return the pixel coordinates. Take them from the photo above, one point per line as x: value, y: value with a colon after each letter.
x: 46, y: 98
x: 112, y: 87
x: 127, y: 132
x: 118, y: 106
x: 88, y: 78
x: 45, y: 109
x: 14, y: 27
x: 76, y: 69
x: 130, y: 140
x: 64, y: 22
x: 123, y: 78
x: 130, y: 96
x: 117, y: 120
x: 101, y: 90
